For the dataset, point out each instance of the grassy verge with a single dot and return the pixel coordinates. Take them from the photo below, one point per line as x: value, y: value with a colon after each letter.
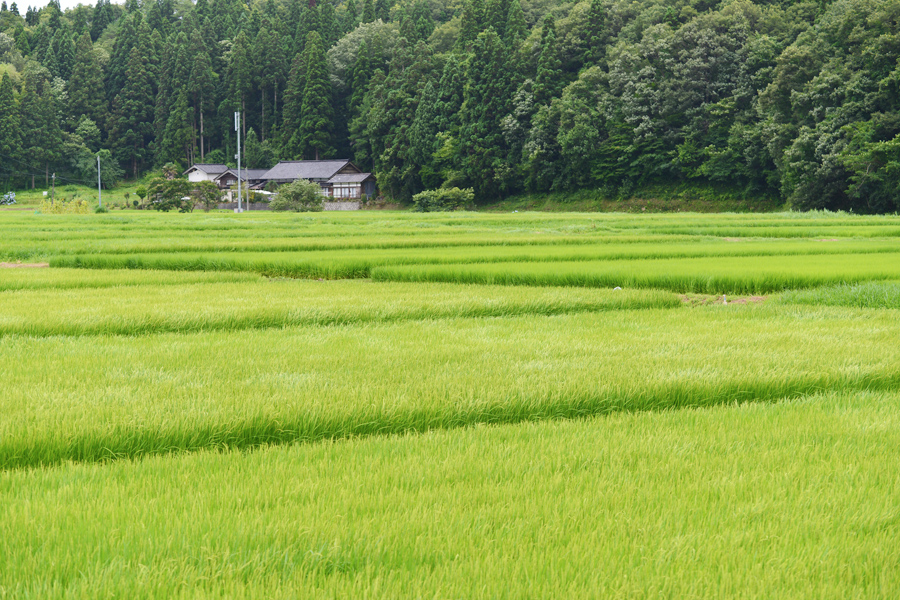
x: 793, y: 499
x: 94, y: 398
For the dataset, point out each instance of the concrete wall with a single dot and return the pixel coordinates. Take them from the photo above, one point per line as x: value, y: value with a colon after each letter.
x: 265, y: 206
x: 253, y: 205
x: 341, y: 205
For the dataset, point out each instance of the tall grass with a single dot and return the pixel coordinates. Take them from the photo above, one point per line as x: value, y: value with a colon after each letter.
x: 793, y: 499
x: 870, y: 294
x: 95, y: 398
x: 156, y: 308
x: 714, y: 275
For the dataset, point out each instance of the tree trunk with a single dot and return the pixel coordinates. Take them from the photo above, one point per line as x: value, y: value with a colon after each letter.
x: 262, y: 127
x: 243, y: 117
x: 202, y: 153
x: 275, y: 111
x: 46, y: 174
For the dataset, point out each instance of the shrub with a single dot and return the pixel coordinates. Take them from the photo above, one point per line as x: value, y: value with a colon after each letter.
x: 60, y: 207
x: 141, y: 193
x: 299, y: 196
x: 443, y: 199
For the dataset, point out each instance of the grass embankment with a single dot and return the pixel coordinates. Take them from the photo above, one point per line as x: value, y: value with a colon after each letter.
x: 792, y: 499
x: 31, y: 198
x: 258, y: 304
x: 684, y: 197
x: 714, y: 275
x: 93, y: 398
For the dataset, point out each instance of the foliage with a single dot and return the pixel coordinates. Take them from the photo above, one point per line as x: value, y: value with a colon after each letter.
x: 299, y: 196
x: 169, y: 194
x: 767, y: 98
x: 207, y: 194
x: 443, y: 199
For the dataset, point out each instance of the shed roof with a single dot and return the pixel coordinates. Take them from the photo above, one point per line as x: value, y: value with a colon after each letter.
x: 308, y: 169
x: 350, y: 178
x: 208, y: 168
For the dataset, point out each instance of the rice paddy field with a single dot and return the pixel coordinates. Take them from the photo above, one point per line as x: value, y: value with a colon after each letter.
x: 463, y: 405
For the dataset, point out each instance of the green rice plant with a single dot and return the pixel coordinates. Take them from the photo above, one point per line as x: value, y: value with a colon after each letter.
x: 791, y: 499
x: 95, y: 398
x: 154, y: 308
x: 714, y: 275
x: 870, y: 294
x: 43, y: 279
x: 345, y: 264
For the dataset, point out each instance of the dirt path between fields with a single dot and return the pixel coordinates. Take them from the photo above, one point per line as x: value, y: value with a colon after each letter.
x: 4, y: 265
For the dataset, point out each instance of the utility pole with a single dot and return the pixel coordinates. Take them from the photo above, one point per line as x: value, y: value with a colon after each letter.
x: 53, y: 189
x: 99, y: 191
x: 237, y: 128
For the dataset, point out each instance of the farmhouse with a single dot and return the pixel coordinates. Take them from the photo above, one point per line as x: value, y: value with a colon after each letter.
x: 339, y: 179
x: 205, y: 171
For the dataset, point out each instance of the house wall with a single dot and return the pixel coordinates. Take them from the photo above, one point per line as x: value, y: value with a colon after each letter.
x: 196, y: 176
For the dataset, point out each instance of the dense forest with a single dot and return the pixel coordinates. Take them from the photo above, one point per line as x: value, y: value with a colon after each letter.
x: 799, y: 100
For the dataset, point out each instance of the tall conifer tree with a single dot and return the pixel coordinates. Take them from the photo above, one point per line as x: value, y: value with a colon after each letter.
x: 201, y: 86
x: 487, y: 100
x: 86, y: 97
x: 10, y: 134
x: 132, y: 121
x: 316, y: 124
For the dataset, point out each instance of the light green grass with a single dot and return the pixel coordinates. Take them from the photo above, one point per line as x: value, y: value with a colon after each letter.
x: 88, y: 399
x: 758, y: 501
x: 715, y: 275
x: 154, y: 308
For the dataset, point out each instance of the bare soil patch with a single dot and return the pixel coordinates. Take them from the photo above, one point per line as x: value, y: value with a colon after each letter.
x: 702, y: 299
x: 5, y: 265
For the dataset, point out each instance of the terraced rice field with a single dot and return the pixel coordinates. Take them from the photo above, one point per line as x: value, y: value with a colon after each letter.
x: 450, y: 405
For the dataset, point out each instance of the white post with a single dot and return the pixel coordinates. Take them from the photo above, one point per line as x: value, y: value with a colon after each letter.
x: 99, y: 190
x: 237, y: 128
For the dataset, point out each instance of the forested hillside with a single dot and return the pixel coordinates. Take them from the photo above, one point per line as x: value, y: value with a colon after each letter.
x: 795, y: 99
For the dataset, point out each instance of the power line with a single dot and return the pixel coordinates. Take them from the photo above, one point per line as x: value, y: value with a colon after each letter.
x: 36, y: 172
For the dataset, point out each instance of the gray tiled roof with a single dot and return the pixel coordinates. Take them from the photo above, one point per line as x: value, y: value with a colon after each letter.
x: 209, y: 168
x: 305, y: 169
x: 246, y: 173
x: 349, y: 178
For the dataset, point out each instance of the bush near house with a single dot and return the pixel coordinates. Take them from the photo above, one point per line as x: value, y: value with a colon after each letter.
x: 443, y: 199
x: 299, y: 196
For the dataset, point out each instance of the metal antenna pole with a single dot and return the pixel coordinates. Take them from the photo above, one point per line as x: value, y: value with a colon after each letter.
x: 237, y: 128
x: 99, y: 190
